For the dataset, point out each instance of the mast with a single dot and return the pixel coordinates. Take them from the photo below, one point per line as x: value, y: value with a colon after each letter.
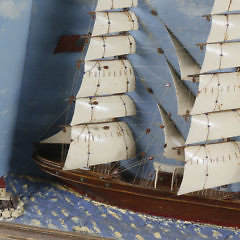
x: 216, y: 112
x: 94, y: 135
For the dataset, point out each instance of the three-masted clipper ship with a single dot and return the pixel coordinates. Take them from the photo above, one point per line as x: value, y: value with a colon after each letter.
x: 86, y: 153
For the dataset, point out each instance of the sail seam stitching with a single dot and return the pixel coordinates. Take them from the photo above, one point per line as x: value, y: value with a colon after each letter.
x: 226, y: 32
x: 104, y: 47
x: 123, y: 133
x: 99, y: 77
x: 218, y: 91
x: 92, y: 108
x: 208, y: 127
x: 221, y: 55
x: 125, y: 71
x: 108, y: 31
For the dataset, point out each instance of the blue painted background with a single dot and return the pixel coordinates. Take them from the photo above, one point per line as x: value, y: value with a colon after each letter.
x: 14, y: 29
x: 47, y: 78
x: 36, y: 92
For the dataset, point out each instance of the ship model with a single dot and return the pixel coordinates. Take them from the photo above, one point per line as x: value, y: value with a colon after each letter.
x: 87, y: 153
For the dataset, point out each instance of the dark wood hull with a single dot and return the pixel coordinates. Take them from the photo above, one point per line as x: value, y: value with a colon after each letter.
x: 146, y: 200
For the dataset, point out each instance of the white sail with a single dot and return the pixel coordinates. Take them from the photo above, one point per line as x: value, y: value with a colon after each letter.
x: 220, y: 56
x: 188, y: 66
x: 94, y: 144
x: 173, y: 137
x: 218, y: 92
x: 97, y: 109
x: 107, y: 77
x: 210, y: 166
x: 224, y: 28
x: 185, y: 98
x: 103, y: 5
x: 95, y: 137
x: 63, y: 136
x: 113, y: 22
x: 225, y: 6
x: 110, y: 46
x: 216, y: 114
x: 214, y: 126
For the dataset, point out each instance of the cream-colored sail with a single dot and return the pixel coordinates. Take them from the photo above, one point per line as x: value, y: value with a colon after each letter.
x: 220, y: 56
x: 107, y: 77
x: 188, y: 66
x: 224, y: 28
x: 185, y: 98
x: 214, y: 126
x: 103, y: 5
x: 210, y: 166
x: 100, y: 143
x: 225, y: 6
x: 216, y: 112
x: 63, y: 136
x: 95, y: 137
x: 94, y: 144
x: 218, y: 92
x: 97, y: 109
x: 113, y: 22
x: 110, y: 46
x: 173, y: 137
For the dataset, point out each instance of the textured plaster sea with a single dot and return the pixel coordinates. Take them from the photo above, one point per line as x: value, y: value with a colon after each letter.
x: 51, y: 205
